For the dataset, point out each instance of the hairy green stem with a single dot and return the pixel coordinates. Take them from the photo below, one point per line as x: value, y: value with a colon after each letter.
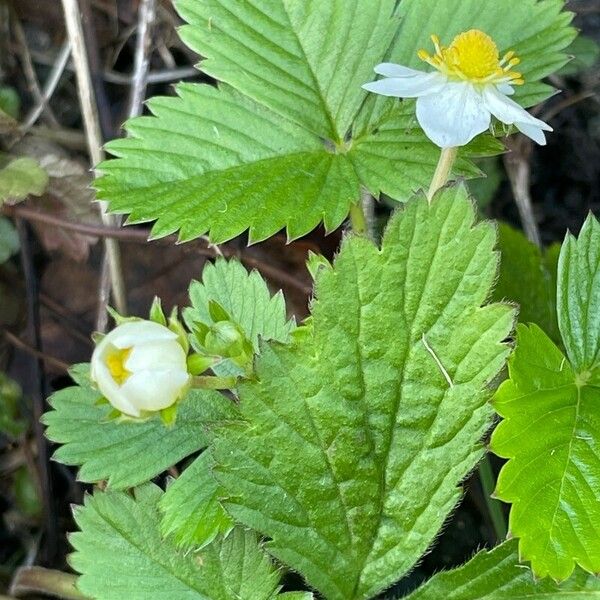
x: 488, y: 484
x: 442, y: 171
x: 357, y: 218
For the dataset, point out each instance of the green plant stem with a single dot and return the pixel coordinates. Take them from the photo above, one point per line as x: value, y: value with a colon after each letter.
x: 442, y: 171
x: 357, y: 218
x: 488, y: 484
x: 208, y: 382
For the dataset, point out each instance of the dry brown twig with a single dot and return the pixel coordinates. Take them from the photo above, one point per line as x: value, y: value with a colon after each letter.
x: 94, y: 140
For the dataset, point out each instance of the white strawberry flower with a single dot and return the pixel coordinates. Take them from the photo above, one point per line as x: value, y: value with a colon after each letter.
x: 140, y: 366
x: 471, y: 84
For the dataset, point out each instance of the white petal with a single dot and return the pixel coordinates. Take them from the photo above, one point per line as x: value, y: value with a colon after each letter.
x: 154, y: 390
x: 454, y: 116
x: 394, y: 70
x: 408, y: 87
x: 532, y: 131
x: 164, y: 354
x: 112, y: 391
x: 136, y: 332
x: 509, y: 112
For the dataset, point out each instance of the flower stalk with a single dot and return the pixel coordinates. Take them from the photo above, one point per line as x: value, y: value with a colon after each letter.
x: 442, y: 171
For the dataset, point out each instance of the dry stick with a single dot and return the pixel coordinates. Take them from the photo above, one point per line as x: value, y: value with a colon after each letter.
x: 94, y: 140
x: 38, y: 390
x: 516, y: 163
x: 140, y: 236
x: 28, y: 70
x: 17, y: 342
x: 146, y: 16
x: 49, y: 88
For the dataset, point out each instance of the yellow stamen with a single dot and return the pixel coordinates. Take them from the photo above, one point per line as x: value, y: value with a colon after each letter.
x: 473, y: 56
x: 115, y: 361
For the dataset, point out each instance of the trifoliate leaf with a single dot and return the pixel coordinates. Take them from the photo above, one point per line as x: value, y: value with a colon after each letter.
x: 528, y: 277
x: 551, y: 434
x: 579, y: 296
x: 20, y: 178
x: 497, y: 575
x: 537, y: 30
x: 247, y: 302
x: 120, y: 553
x: 354, y: 438
x: 191, y: 509
x: 127, y: 453
x: 9, y: 240
x: 283, y: 142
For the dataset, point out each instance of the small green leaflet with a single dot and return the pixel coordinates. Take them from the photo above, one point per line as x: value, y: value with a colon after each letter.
x: 191, y: 509
x: 355, y: 437
x: 551, y: 431
x: 20, y: 178
x: 551, y: 434
x: 246, y: 299
x: 120, y: 553
x: 497, y: 575
x: 130, y: 452
x: 537, y: 30
x: 579, y: 296
x: 289, y: 137
x: 528, y: 276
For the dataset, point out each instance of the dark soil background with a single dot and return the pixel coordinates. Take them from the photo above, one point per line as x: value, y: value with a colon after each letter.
x: 48, y: 299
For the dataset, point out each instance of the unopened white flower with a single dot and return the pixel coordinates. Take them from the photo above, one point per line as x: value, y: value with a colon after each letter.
x: 471, y: 84
x: 140, y: 366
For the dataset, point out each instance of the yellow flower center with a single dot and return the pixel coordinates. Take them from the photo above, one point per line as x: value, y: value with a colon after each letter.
x: 473, y: 56
x: 115, y: 361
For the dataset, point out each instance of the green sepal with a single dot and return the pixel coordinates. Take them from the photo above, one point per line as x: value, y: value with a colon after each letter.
x: 102, y: 401
x: 120, y: 319
x: 176, y: 327
x: 199, y: 363
x: 169, y: 415
x: 217, y: 312
x: 156, y: 312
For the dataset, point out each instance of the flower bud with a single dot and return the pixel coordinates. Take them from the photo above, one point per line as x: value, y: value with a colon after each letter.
x: 140, y: 367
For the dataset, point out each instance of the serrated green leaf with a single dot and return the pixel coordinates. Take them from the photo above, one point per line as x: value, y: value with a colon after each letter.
x: 191, y: 510
x: 528, y: 277
x: 551, y: 434
x: 579, y: 296
x: 354, y: 438
x: 305, y: 60
x: 127, y: 453
x: 20, y: 178
x: 290, y: 136
x: 538, y: 30
x: 497, y: 575
x: 585, y: 52
x: 120, y: 553
x: 9, y: 240
x: 245, y: 298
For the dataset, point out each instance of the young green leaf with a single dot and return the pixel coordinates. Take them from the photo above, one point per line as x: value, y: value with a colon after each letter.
x: 537, y: 30
x: 551, y: 434
x: 355, y: 437
x: 497, y: 575
x: 120, y: 553
x: 579, y: 296
x: 20, y: 178
x: 528, y: 276
x: 191, y: 509
x: 246, y: 300
x: 130, y: 452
